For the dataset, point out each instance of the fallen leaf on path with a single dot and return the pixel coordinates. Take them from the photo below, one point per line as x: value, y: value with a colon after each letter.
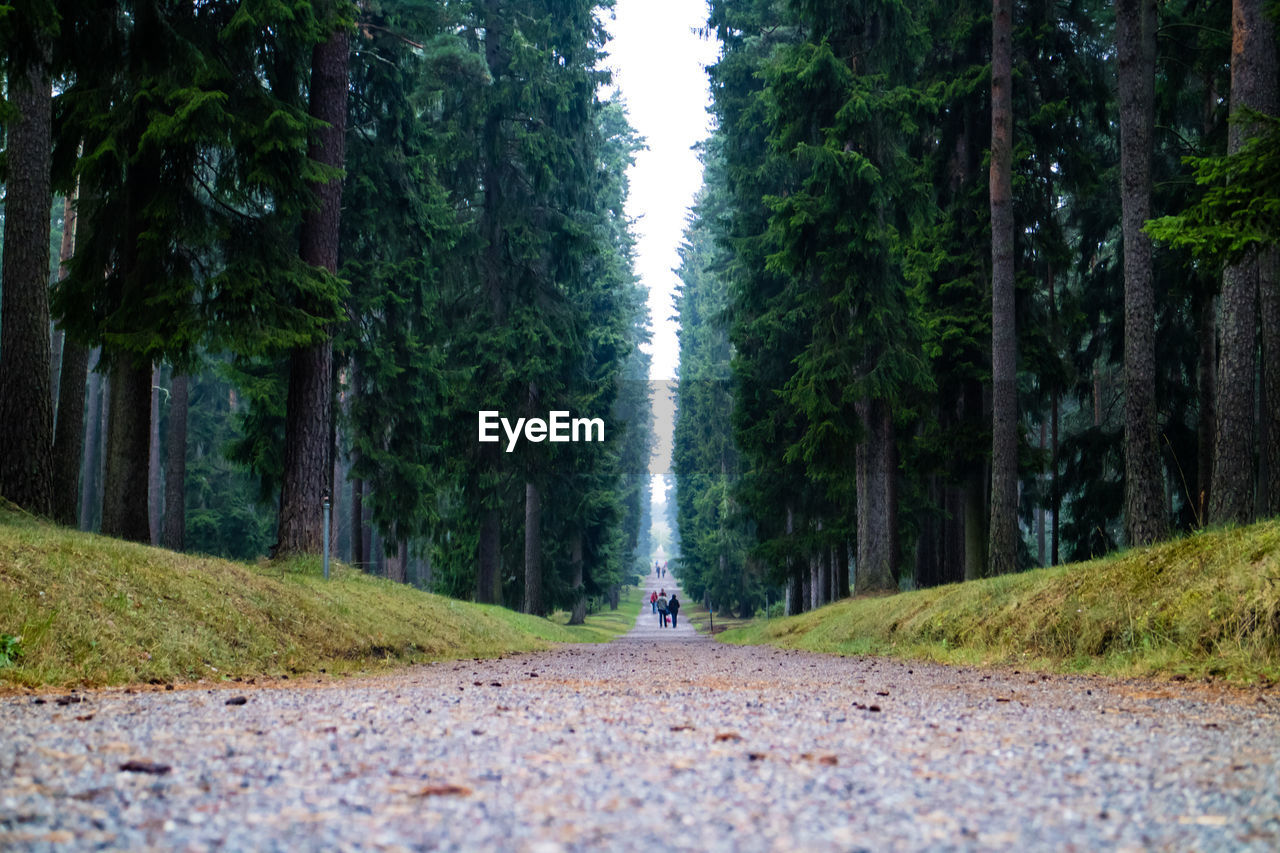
x: 145, y: 767
x: 444, y: 791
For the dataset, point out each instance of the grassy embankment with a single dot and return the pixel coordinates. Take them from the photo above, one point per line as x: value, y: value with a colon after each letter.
x: 95, y: 611
x: 1204, y: 606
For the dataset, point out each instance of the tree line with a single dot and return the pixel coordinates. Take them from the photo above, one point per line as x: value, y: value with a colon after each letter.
x: 295, y: 248
x: 972, y: 288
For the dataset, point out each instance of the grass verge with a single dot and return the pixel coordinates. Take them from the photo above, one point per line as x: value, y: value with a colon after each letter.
x: 80, y: 609
x: 604, y: 625
x: 705, y: 623
x: 1204, y: 606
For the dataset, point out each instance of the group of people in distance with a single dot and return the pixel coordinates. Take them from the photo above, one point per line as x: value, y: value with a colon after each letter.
x: 663, y: 606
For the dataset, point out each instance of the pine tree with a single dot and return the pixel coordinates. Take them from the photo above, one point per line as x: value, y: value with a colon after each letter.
x: 309, y: 412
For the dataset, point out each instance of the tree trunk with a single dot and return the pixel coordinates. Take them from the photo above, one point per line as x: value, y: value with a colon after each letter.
x: 56, y: 345
x: 335, y: 494
x: 1253, y: 62
x: 492, y: 272
x: 815, y: 580
x: 1145, y: 520
x: 953, y: 527
x: 873, y: 464
x: 309, y: 410
x: 68, y: 430
x: 92, y: 465
x: 124, y: 490
x: 357, y: 519
x: 1003, y: 542
x: 155, y: 483
x: 533, y: 549
x: 488, y: 580
x: 396, y: 562
x: 840, y: 554
x: 69, y: 436
x: 975, y: 539
x: 1269, y: 310
x: 66, y: 249
x: 579, y: 613
x: 1040, y: 513
x: 1261, y: 95
x: 26, y: 400
x: 175, y: 475
x: 1055, y: 495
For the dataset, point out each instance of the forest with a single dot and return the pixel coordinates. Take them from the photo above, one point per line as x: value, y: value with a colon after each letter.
x: 975, y: 287
x: 969, y: 288
x: 265, y: 260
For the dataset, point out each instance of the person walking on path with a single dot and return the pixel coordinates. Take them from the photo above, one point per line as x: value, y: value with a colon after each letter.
x: 662, y: 608
x: 653, y: 601
x: 673, y: 607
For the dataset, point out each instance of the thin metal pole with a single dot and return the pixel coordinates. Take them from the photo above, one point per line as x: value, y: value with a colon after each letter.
x: 326, y: 536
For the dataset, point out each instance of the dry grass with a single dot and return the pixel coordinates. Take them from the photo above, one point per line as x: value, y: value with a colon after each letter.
x: 1204, y: 606
x: 96, y: 611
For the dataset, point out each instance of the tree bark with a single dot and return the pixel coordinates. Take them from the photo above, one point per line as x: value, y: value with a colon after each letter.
x: 1263, y: 97
x: 1253, y: 62
x: 1055, y: 494
x: 175, y: 475
x: 1206, y: 389
x: 578, y: 615
x: 489, y: 553
x: 26, y: 401
x: 124, y: 492
x: 66, y: 249
x: 309, y: 410
x: 68, y: 431
x: 975, y: 502
x: 1003, y: 542
x: 533, y: 549
x: 396, y: 563
x: 69, y: 436
x: 1041, y: 536
x: 357, y: 519
x: 155, y: 482
x: 874, y: 471
x: 92, y: 464
x: 1145, y: 520
x: 1269, y: 311
x: 815, y: 581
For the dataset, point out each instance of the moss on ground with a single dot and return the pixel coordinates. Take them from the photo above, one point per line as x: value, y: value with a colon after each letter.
x: 81, y: 609
x: 1204, y: 606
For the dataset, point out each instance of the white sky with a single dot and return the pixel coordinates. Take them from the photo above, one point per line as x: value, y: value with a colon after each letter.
x: 659, y: 63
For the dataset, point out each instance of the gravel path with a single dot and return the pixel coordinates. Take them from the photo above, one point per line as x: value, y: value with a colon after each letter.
x: 661, y: 740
